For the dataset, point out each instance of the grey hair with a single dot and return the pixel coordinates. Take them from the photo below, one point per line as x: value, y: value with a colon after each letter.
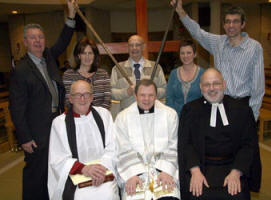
x: 32, y: 26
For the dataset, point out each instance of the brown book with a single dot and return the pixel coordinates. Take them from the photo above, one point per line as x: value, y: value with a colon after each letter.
x: 109, y: 177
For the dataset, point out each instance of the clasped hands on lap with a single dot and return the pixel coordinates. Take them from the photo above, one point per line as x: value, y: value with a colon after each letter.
x: 232, y: 181
x: 164, y: 179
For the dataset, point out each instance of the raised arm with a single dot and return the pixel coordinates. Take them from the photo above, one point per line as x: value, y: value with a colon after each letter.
x: 66, y: 34
x: 206, y: 39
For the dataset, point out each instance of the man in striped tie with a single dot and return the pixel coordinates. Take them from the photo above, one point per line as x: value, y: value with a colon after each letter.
x: 236, y: 55
x: 137, y: 68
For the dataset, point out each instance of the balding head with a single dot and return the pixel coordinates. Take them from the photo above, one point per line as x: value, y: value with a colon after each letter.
x: 79, y: 84
x: 81, y: 96
x: 212, y: 85
x: 136, y: 37
x: 212, y: 71
x: 136, y: 47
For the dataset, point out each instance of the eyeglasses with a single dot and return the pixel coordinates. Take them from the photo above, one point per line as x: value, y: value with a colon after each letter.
x: 236, y: 21
x: 214, y: 84
x: 86, y: 95
x: 135, y: 45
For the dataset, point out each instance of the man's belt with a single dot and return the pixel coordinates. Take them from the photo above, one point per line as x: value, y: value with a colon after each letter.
x: 109, y: 177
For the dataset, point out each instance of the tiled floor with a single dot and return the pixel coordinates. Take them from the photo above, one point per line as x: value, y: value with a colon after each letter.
x: 11, y: 187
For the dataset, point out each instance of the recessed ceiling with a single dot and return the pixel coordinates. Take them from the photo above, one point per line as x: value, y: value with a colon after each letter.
x: 34, y: 6
x: 26, y: 7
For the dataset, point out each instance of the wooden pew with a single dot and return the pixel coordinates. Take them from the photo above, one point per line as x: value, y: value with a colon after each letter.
x: 267, y: 97
x: 265, y: 112
x: 4, y: 112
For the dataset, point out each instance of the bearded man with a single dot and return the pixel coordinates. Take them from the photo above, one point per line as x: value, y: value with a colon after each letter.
x: 217, y: 145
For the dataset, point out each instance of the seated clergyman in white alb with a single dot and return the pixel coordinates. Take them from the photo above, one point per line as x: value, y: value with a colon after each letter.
x: 82, y: 135
x: 146, y: 134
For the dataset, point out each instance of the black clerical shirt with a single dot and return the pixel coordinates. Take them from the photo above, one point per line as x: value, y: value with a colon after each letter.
x: 218, y: 142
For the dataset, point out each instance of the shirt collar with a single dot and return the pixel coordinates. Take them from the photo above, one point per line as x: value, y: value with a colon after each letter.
x: 141, y: 61
x: 76, y: 115
x: 243, y: 43
x: 34, y: 58
x: 206, y: 102
x: 141, y: 111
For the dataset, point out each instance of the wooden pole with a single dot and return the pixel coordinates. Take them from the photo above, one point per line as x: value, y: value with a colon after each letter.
x: 123, y: 73
x: 163, y: 42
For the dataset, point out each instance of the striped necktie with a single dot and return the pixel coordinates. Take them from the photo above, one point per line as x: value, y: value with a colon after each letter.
x: 137, y: 72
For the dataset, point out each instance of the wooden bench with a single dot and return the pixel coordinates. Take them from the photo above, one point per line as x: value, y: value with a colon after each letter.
x: 265, y: 116
x: 8, y: 124
x: 266, y: 104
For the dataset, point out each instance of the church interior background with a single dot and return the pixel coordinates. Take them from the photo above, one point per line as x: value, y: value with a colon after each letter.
x: 115, y: 21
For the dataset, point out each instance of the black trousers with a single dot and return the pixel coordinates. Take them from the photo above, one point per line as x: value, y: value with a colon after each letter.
x: 221, y: 194
x: 35, y: 175
x: 254, y: 181
x: 215, y: 175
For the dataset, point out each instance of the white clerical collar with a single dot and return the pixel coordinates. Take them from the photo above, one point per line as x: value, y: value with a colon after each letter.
x: 141, y: 111
x: 222, y: 112
x: 76, y: 115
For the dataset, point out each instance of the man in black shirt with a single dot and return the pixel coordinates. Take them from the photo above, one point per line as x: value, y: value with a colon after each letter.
x: 217, y: 143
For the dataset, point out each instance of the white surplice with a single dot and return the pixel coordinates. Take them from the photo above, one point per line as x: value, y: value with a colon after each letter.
x: 141, y: 138
x: 89, y: 147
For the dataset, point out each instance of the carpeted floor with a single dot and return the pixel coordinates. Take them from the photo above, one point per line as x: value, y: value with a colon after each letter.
x: 267, y: 140
x: 11, y: 165
x: 265, y: 193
